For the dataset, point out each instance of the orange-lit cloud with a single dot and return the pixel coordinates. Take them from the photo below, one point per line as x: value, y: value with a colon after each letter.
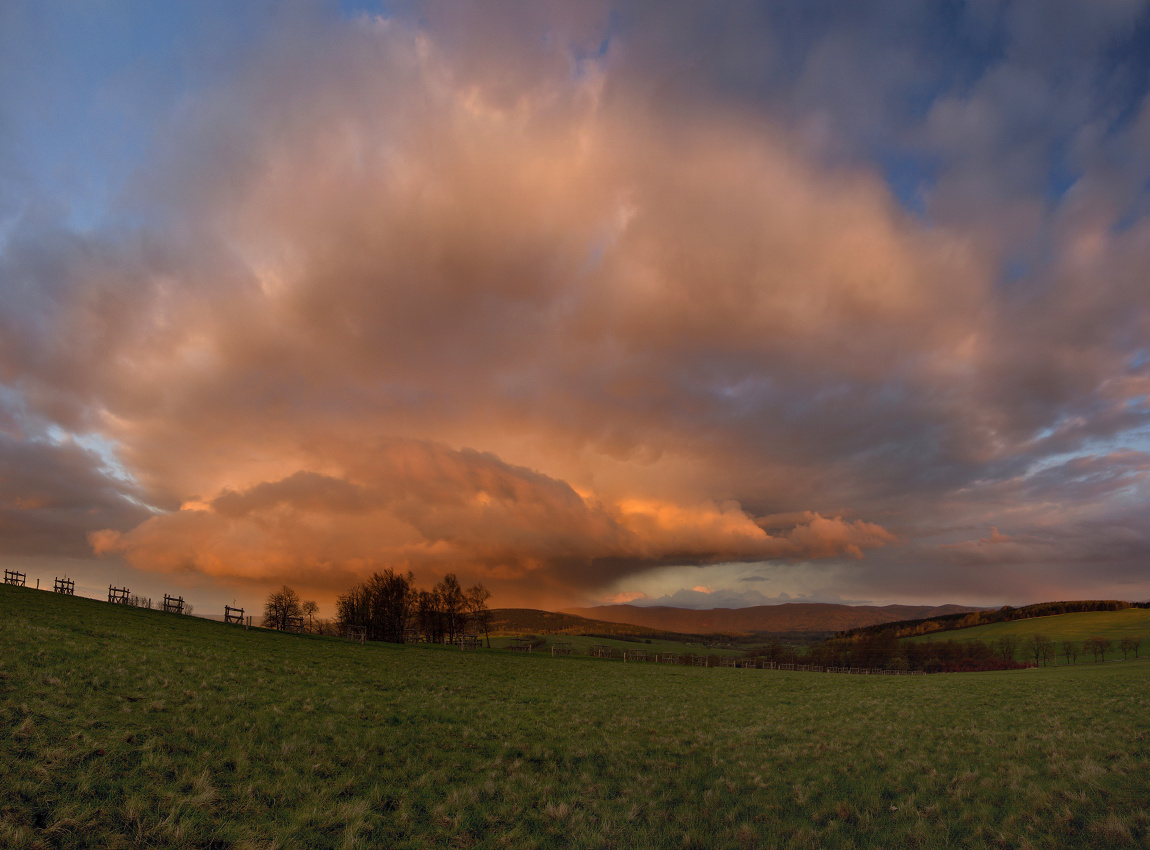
x: 431, y: 509
x: 553, y: 298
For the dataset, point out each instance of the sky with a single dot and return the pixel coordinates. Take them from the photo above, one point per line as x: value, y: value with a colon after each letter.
x: 702, y: 304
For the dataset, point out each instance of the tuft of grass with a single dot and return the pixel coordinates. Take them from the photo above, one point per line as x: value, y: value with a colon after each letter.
x: 126, y: 728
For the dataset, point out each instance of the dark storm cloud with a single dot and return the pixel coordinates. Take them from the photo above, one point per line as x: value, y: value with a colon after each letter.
x: 53, y: 495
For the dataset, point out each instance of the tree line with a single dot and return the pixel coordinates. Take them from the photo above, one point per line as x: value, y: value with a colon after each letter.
x: 885, y: 650
x: 389, y: 607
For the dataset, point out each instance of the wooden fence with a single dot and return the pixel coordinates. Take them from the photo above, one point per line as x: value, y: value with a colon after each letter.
x: 14, y: 578
x: 64, y: 585
x: 118, y: 595
x: 233, y: 615
x: 173, y: 604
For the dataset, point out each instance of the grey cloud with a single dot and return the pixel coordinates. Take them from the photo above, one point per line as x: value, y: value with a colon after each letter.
x: 53, y: 495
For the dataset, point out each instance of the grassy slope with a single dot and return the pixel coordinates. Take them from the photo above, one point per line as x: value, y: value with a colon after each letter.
x: 1077, y: 627
x: 124, y: 728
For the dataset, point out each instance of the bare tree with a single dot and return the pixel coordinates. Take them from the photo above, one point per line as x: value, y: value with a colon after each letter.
x: 429, y: 611
x: 1104, y: 646
x: 281, y: 607
x: 382, y: 605
x: 1070, y: 650
x: 309, y: 610
x: 477, y: 596
x: 453, y: 605
x: 1129, y: 644
x: 1098, y: 646
x: 1041, y: 647
x: 392, y: 596
x: 327, y: 627
x: 1007, y: 647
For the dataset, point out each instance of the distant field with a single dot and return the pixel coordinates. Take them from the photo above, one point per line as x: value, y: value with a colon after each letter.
x: 126, y: 728
x: 1076, y: 627
x: 581, y: 644
x: 507, y: 622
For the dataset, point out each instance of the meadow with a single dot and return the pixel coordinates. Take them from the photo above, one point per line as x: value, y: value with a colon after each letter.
x: 126, y: 727
x: 1115, y: 625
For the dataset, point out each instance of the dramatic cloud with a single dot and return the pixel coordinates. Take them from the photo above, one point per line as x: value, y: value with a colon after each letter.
x: 425, y: 507
x: 561, y: 298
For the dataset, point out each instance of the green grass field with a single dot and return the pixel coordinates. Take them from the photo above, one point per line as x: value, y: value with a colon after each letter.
x: 126, y: 728
x: 1076, y: 627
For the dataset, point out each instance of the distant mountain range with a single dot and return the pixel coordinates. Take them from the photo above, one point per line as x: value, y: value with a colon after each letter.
x: 789, y: 617
x: 533, y: 621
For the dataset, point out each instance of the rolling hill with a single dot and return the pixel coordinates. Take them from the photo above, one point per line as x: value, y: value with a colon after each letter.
x: 788, y: 618
x: 1114, y: 625
x: 513, y: 621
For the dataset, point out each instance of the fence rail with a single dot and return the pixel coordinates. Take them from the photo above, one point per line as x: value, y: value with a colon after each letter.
x: 173, y: 604
x: 118, y: 595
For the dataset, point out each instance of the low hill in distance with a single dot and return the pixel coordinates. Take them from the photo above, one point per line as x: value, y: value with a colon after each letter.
x: 522, y: 621
x: 790, y: 618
